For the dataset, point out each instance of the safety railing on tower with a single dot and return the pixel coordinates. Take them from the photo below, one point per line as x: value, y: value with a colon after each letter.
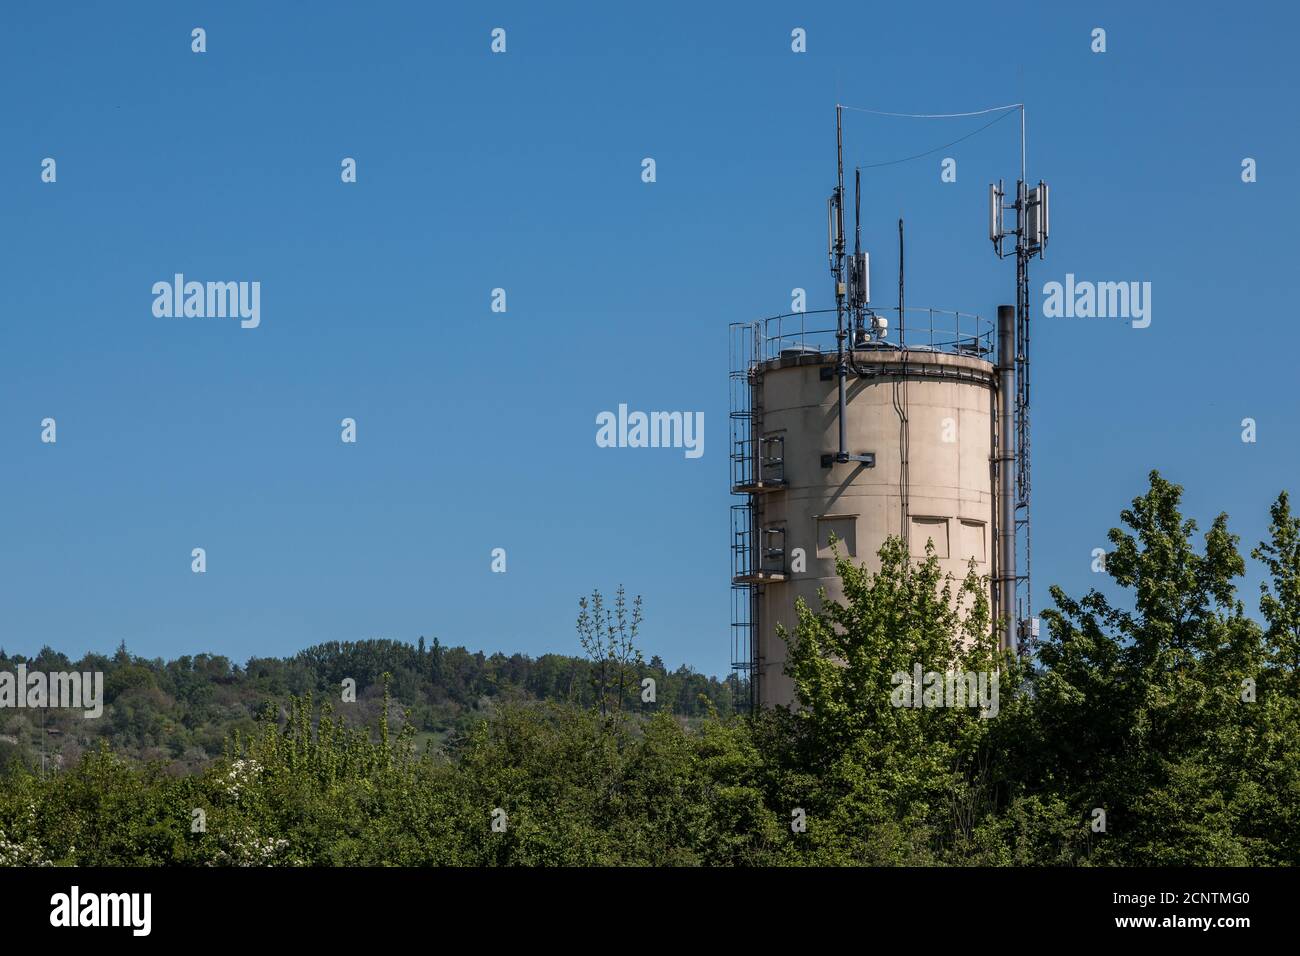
x: 917, y: 329
x: 757, y: 553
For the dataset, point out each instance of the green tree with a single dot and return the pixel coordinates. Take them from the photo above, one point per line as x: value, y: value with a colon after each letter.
x: 889, y: 782
x: 1280, y: 595
x: 1138, y: 711
x: 608, y: 636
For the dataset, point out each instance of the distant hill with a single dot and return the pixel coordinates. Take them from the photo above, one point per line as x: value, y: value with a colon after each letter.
x: 182, y: 711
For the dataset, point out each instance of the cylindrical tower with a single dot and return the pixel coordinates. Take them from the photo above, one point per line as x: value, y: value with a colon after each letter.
x: 920, y: 423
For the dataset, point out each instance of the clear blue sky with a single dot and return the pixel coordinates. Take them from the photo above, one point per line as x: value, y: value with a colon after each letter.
x: 522, y: 171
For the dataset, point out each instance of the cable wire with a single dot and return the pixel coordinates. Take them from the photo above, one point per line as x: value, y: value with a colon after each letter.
x: 894, y: 162
x: 991, y: 109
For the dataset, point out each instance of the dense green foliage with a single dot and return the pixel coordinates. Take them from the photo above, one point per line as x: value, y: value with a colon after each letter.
x: 1175, y: 715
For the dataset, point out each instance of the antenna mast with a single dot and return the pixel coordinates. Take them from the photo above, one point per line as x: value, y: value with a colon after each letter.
x: 1031, y: 233
x: 858, y: 277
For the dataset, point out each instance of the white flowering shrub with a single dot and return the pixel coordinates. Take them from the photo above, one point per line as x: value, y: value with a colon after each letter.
x: 24, y: 851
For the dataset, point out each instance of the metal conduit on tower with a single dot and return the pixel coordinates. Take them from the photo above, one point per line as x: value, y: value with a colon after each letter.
x: 1006, y: 554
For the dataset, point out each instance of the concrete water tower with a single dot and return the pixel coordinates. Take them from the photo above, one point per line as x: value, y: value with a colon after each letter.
x: 843, y: 425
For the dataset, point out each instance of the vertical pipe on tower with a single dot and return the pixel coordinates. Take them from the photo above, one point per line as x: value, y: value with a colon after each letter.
x: 842, y: 369
x: 1006, y: 570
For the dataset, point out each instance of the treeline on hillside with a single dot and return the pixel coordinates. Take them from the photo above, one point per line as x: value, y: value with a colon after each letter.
x: 1163, y: 729
x: 183, y: 711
